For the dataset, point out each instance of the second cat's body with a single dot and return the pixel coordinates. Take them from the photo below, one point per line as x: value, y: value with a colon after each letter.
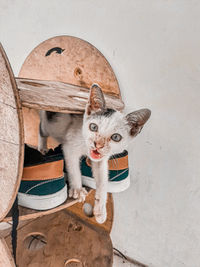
x: 62, y: 127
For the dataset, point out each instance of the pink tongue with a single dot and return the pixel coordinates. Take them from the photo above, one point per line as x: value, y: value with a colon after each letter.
x: 95, y: 154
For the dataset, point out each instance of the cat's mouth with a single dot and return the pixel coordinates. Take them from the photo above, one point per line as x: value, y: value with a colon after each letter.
x: 95, y: 154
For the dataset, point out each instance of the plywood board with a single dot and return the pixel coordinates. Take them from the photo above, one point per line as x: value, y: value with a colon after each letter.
x: 69, y: 60
x: 29, y: 214
x: 11, y: 136
x: 61, y: 239
x: 78, y: 209
x: 73, y: 206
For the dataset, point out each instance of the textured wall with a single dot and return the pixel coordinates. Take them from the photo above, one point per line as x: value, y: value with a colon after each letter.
x: 154, y: 48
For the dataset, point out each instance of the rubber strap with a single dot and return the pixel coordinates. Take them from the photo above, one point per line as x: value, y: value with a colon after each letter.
x: 15, y: 218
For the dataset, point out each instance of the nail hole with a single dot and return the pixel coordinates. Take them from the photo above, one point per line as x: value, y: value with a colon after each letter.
x: 74, y: 227
x: 35, y: 241
x: 77, y: 72
x: 73, y: 263
x: 88, y: 209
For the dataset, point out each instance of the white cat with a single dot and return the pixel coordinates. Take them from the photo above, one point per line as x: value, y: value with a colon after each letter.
x: 100, y: 133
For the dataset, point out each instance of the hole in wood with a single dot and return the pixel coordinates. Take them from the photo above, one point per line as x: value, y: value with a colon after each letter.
x: 77, y: 72
x: 35, y: 241
x: 88, y: 209
x: 73, y: 263
x: 76, y: 227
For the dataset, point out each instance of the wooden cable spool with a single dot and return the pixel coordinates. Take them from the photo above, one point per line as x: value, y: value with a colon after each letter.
x: 60, y: 239
x: 56, y: 76
x: 11, y: 137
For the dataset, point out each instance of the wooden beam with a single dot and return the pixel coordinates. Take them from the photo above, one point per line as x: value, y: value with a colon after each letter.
x: 58, y: 96
x: 29, y: 214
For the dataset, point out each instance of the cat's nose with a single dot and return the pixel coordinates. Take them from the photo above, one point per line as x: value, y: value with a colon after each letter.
x: 98, y: 145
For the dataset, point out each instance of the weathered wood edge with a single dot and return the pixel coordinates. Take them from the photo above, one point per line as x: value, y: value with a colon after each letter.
x: 74, y: 207
x: 21, y: 130
x: 36, y: 214
x: 5, y: 255
x: 78, y: 210
x: 40, y: 94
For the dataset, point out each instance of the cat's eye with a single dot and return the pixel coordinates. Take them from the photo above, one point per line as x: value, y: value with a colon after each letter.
x: 116, y: 137
x: 93, y: 127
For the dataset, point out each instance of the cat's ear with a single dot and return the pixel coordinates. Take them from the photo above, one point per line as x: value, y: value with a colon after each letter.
x: 137, y: 119
x: 96, y: 101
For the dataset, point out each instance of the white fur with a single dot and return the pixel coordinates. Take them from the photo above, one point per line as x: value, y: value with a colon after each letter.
x: 77, y: 140
x: 107, y: 126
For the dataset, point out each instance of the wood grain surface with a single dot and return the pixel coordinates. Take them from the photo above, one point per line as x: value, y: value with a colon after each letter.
x: 70, y: 60
x: 62, y: 239
x: 11, y: 136
x: 72, y: 205
x: 6, y: 259
x: 59, y: 96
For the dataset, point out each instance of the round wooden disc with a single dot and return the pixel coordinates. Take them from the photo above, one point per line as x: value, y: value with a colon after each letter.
x: 61, y: 238
x: 65, y: 59
x: 11, y: 137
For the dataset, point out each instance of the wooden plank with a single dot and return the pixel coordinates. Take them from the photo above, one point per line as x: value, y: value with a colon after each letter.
x: 5, y: 255
x: 78, y: 209
x: 73, y: 206
x: 11, y: 136
x: 75, y: 61
x: 30, y: 214
x: 58, y: 96
x: 70, y: 60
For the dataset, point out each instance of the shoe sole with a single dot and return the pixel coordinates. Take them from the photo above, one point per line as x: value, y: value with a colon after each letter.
x: 112, y: 187
x: 42, y: 202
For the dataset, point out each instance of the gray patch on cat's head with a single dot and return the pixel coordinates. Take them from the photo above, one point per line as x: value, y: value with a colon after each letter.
x: 107, y: 112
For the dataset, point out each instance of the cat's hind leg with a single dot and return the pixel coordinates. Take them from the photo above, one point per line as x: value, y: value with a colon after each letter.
x: 72, y: 161
x: 42, y: 140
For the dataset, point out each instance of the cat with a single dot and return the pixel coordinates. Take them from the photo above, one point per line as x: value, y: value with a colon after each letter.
x: 98, y: 134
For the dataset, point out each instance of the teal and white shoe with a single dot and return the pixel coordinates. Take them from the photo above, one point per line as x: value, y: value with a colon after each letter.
x: 118, y: 180
x: 43, y: 186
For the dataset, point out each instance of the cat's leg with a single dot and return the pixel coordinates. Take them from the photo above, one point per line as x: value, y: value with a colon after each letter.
x: 100, y: 172
x: 72, y: 161
x: 42, y: 140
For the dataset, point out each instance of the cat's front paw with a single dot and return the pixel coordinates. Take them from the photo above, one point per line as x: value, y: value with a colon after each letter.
x: 99, y: 211
x: 79, y: 194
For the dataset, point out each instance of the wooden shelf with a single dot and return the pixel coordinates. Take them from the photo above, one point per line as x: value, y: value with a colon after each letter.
x: 39, y: 94
x: 28, y: 214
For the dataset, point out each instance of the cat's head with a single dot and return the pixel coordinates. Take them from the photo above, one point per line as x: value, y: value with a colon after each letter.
x: 107, y: 131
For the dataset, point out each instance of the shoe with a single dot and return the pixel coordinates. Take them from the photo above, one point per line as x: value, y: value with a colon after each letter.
x: 118, y: 180
x: 43, y: 186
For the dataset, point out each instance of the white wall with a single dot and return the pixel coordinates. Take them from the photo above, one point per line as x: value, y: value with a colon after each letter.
x: 154, y: 49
